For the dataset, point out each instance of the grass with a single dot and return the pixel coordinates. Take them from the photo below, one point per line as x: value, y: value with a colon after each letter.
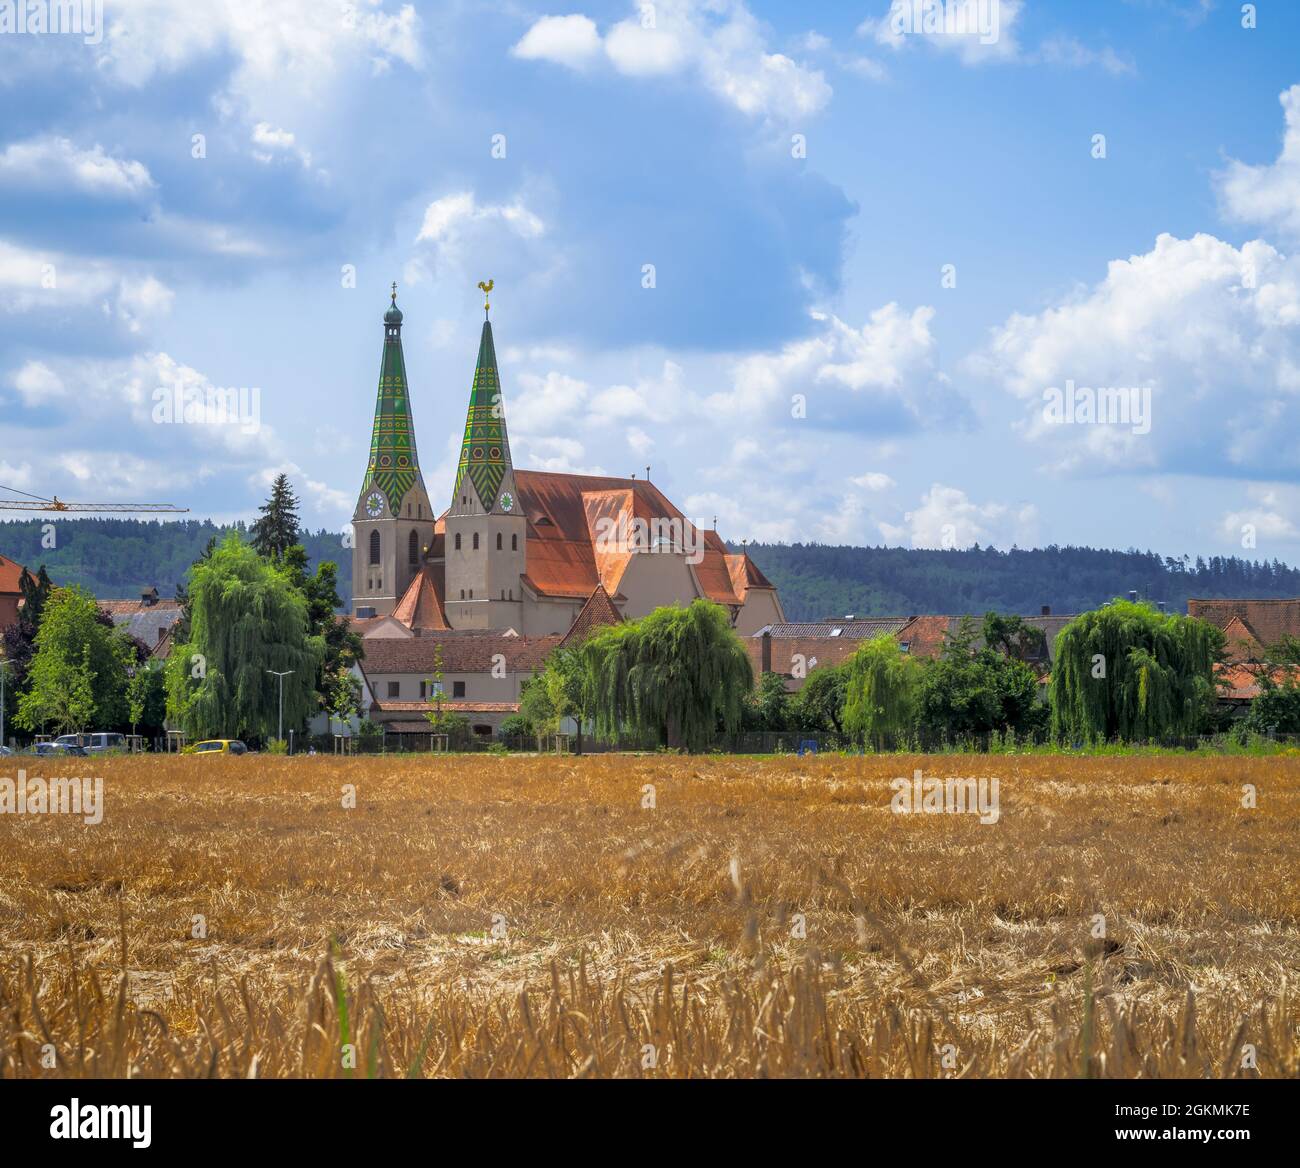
x: 508, y: 916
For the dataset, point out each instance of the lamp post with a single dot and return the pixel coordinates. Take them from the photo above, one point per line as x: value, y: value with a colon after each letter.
x: 281, y: 676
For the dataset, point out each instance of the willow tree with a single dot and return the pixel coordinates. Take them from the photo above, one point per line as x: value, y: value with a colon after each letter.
x: 674, y: 676
x: 881, y: 693
x: 247, y: 618
x: 1129, y: 672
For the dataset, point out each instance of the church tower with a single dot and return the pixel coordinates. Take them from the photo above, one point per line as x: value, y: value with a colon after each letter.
x: 486, y: 532
x: 392, y: 526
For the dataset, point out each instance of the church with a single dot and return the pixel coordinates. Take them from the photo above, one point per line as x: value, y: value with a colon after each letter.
x: 517, y: 549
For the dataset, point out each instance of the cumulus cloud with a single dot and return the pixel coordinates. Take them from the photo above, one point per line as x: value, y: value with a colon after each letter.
x: 32, y: 280
x: 57, y: 165
x: 977, y: 32
x: 1212, y: 331
x: 721, y: 44
x: 873, y: 481
x: 1269, y: 195
x: 1267, y: 517
x: 948, y: 518
x: 566, y: 40
x: 885, y: 375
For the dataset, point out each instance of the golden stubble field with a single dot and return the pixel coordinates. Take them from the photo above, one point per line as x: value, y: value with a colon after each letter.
x: 511, y: 916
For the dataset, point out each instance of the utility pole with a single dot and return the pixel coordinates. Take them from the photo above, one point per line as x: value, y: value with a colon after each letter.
x: 281, y: 676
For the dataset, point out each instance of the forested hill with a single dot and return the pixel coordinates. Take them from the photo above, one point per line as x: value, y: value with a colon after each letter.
x: 115, y: 559
x: 816, y: 581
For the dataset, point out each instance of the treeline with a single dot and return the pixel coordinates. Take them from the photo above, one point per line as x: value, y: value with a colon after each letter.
x: 817, y: 581
x: 116, y: 559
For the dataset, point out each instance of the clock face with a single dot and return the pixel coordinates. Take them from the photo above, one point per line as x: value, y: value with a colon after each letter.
x: 374, y: 504
x: 507, y: 501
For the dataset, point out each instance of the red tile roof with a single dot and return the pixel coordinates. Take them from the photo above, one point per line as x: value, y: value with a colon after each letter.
x: 464, y: 652
x: 421, y: 605
x: 10, y: 575
x: 598, y: 612
x: 563, y: 558
x: 1242, y: 680
x: 1267, y: 621
x: 449, y: 706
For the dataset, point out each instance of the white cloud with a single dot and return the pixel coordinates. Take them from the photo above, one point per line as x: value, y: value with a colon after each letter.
x: 1268, y: 517
x: 1213, y: 331
x: 873, y: 481
x: 720, y: 43
x: 1074, y: 54
x: 16, y: 478
x: 566, y: 40
x: 888, y: 367
x: 976, y: 31
x: 446, y: 218
x: 271, y: 141
x: 1269, y: 195
x: 540, y: 402
x: 55, y: 164
x: 295, y: 43
x: 948, y: 518
x: 37, y: 383
x: 32, y: 280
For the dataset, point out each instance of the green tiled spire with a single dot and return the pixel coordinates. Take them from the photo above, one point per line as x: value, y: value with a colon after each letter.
x: 394, y: 464
x: 485, y: 451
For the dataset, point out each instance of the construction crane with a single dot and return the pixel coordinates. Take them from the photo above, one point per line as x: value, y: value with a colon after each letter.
x: 39, y: 503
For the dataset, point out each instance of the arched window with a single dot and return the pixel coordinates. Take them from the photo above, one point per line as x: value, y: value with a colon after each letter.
x: 413, y: 549
x: 374, y: 547
x: 476, y: 541
x: 514, y: 543
x: 498, y: 541
x: 458, y: 541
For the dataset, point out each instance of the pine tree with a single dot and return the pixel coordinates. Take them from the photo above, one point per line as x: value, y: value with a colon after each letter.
x: 277, y: 530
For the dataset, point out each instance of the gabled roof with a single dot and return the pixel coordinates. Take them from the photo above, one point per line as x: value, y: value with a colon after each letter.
x: 421, y: 605
x: 924, y: 635
x: 745, y: 574
x: 1268, y: 621
x: 598, y: 612
x: 10, y: 576
x: 563, y: 557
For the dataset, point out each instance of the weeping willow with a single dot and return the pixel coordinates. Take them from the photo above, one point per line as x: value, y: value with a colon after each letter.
x: 671, y: 677
x: 247, y: 618
x: 882, y: 693
x: 1126, y: 671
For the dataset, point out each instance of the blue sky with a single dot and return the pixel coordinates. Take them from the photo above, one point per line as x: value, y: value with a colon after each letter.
x: 799, y: 176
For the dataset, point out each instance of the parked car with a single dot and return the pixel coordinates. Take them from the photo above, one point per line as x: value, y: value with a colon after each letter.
x: 59, y: 750
x: 95, y: 743
x: 220, y: 746
x: 4, y: 750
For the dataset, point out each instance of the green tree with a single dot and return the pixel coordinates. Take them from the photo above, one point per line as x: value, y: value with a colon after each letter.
x: 819, y: 706
x: 674, y: 676
x: 248, y: 618
x: 1013, y: 637
x: 146, y: 696
x: 767, y: 707
x: 1129, y: 672
x: 881, y: 692
x: 277, y: 530
x: 343, y: 645
x: 1277, y: 708
x: 968, y: 691
x: 77, y: 649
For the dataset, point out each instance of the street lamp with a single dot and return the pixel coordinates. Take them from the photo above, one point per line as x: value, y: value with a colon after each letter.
x: 281, y: 676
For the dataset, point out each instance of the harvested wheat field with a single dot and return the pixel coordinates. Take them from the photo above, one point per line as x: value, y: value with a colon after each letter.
x: 524, y: 916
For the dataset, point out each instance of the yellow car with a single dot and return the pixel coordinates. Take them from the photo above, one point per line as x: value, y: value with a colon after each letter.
x: 220, y: 746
